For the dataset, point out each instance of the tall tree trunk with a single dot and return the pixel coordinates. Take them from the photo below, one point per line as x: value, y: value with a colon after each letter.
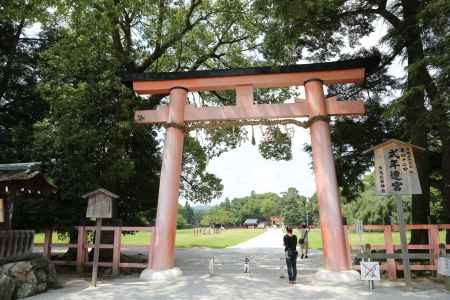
x: 416, y: 115
x: 440, y: 120
x: 446, y: 182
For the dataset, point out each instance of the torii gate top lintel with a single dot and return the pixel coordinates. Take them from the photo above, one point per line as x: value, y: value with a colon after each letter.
x: 243, y: 81
x: 344, y: 71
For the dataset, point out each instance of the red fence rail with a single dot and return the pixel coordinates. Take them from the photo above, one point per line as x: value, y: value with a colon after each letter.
x: 83, y: 246
x: 391, y: 266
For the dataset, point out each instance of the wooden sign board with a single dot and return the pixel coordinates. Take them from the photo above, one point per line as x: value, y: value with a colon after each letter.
x: 370, y: 270
x: 2, y: 211
x: 395, y: 170
x: 99, y: 206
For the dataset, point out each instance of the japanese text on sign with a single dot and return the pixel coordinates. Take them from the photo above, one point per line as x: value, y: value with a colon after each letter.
x: 395, y: 170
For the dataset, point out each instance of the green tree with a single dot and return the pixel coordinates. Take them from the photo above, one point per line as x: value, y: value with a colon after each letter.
x: 373, y: 209
x: 218, y: 215
x: 321, y: 29
x: 293, y: 208
x: 88, y: 139
x: 20, y: 103
x: 188, y: 213
x: 181, y: 221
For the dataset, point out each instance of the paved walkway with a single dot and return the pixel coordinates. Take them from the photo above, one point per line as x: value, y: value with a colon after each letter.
x: 228, y: 281
x: 272, y: 238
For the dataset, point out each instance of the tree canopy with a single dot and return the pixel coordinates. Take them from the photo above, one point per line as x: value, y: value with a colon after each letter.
x: 63, y: 100
x: 415, y: 32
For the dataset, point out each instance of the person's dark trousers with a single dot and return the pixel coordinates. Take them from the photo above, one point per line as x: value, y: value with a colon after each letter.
x: 292, y: 268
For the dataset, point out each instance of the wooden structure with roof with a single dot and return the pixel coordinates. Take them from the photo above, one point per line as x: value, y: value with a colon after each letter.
x: 23, y: 180
x: 250, y: 223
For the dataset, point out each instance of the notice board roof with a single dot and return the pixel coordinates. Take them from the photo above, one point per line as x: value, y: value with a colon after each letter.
x: 392, y: 141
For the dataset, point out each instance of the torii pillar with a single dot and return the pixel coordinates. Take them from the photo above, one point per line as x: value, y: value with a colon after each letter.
x: 335, y: 247
x: 316, y: 107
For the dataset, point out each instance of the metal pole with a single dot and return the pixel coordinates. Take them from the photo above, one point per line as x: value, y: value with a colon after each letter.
x: 306, y: 209
x: 98, y: 230
x: 282, y: 264
x: 401, y: 222
x: 371, y: 282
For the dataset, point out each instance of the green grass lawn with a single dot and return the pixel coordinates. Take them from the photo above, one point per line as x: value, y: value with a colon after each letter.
x: 374, y: 238
x: 185, y: 238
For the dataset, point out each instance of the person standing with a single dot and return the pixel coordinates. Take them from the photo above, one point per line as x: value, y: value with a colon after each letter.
x: 304, y: 241
x: 290, y: 249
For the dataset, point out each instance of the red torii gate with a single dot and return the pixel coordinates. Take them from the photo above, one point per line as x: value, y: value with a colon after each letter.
x: 316, y: 107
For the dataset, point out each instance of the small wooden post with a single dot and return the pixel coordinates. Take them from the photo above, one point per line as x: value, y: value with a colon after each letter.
x: 98, y: 232
x: 81, y: 249
x: 116, y: 250
x: 433, y: 240
x: 389, y: 246
x: 404, y: 243
x: 100, y: 206
x: 349, y: 245
x: 48, y: 243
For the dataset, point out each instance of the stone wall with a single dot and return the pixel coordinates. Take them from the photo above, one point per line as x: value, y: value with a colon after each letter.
x: 26, y: 277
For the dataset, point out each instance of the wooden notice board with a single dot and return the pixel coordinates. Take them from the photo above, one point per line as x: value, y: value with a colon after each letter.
x: 395, y: 170
x: 100, y: 206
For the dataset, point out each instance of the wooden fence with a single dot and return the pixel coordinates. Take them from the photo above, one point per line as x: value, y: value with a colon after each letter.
x: 15, y: 243
x: 391, y: 266
x: 82, y: 246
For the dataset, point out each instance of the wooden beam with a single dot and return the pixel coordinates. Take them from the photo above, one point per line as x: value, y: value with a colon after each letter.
x: 156, y: 87
x: 344, y: 108
x: 249, y: 112
x: 389, y: 246
x: 244, y: 96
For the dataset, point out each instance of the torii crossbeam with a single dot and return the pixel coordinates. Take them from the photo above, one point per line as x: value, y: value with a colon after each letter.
x: 316, y: 107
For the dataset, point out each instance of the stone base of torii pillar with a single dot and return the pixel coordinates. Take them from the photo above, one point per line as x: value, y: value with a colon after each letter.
x: 161, y: 275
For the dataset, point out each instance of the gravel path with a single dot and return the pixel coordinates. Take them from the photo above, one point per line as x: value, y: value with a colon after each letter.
x: 229, y: 282
x: 272, y: 238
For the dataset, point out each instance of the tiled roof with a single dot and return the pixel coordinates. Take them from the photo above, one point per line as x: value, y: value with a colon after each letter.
x: 251, y: 221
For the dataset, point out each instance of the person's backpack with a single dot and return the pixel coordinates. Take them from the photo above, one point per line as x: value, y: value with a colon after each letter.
x: 302, y: 240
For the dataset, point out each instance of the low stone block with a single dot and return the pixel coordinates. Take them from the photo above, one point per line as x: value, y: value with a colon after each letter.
x: 7, y: 287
